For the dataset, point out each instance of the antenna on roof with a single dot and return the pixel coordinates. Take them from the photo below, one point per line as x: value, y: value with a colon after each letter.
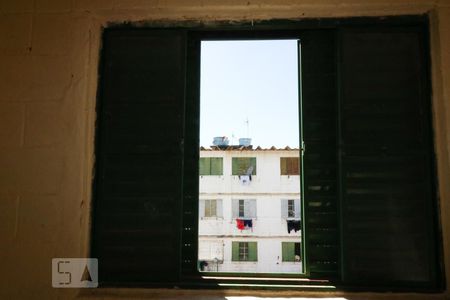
x: 248, y: 127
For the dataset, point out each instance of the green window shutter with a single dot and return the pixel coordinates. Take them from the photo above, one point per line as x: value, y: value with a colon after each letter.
x: 204, y: 166
x: 216, y: 166
x: 320, y: 192
x: 234, y: 251
x: 139, y: 133
x: 288, y: 251
x: 388, y: 189
x: 240, y: 165
x: 252, y: 162
x: 252, y: 251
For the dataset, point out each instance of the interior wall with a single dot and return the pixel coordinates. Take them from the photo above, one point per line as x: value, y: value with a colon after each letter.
x: 49, y: 52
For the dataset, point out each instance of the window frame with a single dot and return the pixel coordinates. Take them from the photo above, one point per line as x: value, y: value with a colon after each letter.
x: 210, y: 171
x: 291, y: 208
x: 243, y: 251
x: 266, y: 29
x: 287, y: 170
x: 296, y: 31
x: 283, y: 259
x: 245, y: 204
x: 236, y: 168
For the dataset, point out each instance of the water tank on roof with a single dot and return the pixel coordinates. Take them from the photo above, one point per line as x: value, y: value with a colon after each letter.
x: 245, y: 142
x: 220, y: 141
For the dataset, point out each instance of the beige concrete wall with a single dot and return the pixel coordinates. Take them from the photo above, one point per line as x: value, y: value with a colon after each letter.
x: 48, y: 75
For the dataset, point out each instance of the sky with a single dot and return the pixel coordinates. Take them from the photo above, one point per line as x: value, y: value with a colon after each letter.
x: 250, y: 80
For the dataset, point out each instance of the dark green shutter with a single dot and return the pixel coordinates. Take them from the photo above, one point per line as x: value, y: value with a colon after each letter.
x: 388, y: 191
x: 234, y: 251
x: 216, y: 166
x: 205, y: 166
x: 288, y: 251
x: 319, y: 98
x: 252, y: 251
x: 139, y: 140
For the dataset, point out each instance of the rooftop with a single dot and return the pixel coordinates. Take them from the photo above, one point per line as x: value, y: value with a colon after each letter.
x: 246, y: 148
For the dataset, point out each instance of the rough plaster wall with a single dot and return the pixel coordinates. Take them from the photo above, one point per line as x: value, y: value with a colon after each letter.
x: 48, y: 75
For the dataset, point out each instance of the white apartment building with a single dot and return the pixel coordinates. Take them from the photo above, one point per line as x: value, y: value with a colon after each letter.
x: 248, y: 199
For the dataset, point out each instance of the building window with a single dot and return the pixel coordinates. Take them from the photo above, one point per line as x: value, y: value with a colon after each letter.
x: 290, y: 251
x: 289, y: 166
x: 244, y: 208
x: 243, y: 166
x: 290, y: 208
x: 210, y: 208
x: 211, y: 166
x: 241, y: 209
x: 366, y: 118
x: 210, y: 254
x: 244, y: 251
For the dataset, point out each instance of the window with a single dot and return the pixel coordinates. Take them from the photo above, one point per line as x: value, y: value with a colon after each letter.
x: 369, y: 174
x: 291, y: 251
x: 290, y: 208
x: 210, y: 208
x: 289, y: 166
x: 241, y: 209
x: 243, y: 166
x: 244, y: 208
x: 244, y: 251
x: 211, y: 166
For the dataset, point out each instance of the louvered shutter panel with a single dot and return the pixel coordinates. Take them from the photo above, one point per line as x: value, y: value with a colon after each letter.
x: 252, y: 162
x: 284, y: 208
x: 252, y: 251
x: 216, y: 166
x: 297, y: 208
x: 250, y: 208
x: 219, y: 208
x: 137, y: 203
x: 235, y: 208
x: 201, y: 208
x: 205, y: 166
x: 388, y: 188
x: 293, y: 166
x: 288, y: 251
x: 283, y: 166
x: 319, y: 98
x: 234, y: 251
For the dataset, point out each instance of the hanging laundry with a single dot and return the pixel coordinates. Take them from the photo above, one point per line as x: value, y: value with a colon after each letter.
x: 248, y: 224
x: 240, y: 224
x: 293, y: 225
x: 245, y: 179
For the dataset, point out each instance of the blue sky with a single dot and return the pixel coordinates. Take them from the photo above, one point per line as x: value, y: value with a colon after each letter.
x: 254, y: 80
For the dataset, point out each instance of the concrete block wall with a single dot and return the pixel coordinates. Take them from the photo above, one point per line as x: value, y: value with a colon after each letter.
x: 48, y: 78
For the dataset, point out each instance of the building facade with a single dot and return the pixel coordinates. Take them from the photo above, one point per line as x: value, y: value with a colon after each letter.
x: 249, y: 210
